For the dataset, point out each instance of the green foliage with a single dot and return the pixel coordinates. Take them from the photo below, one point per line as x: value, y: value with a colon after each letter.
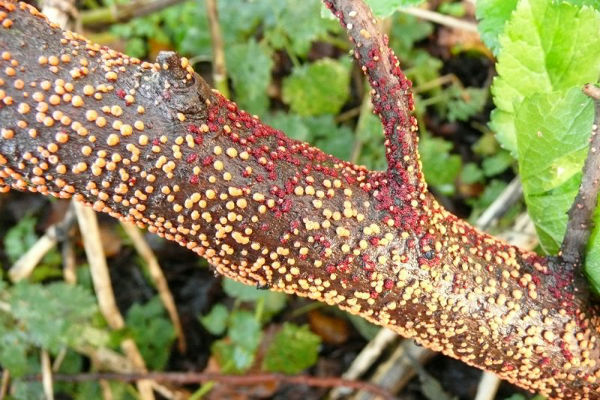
x: 439, y: 166
x: 236, y: 353
x: 385, y: 8
x: 492, y: 16
x: 273, y: 302
x: 249, y: 65
x: 317, y: 88
x: 532, y: 60
x: 216, y: 320
x: 152, y: 331
x: 293, y: 349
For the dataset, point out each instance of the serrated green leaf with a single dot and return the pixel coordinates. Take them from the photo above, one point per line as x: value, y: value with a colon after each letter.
x: 293, y: 349
x: 216, y: 320
x: 492, y: 16
x: 318, y: 88
x: 249, y: 65
x: 544, y: 49
x: 552, y: 135
x: 291, y: 124
x: 152, y: 331
x: 54, y: 314
x: 464, y: 104
x: 385, y: 8
x: 20, y: 238
x: 329, y: 137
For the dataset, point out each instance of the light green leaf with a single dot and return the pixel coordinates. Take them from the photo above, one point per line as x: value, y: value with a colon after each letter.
x: 385, y: 8
x: 497, y: 163
x: 492, y: 16
x: 216, y: 320
x: 293, y: 349
x: 318, y: 88
x: 439, y: 166
x: 244, y: 330
x: 471, y: 173
x: 552, y: 135
x: 152, y: 331
x: 249, y: 65
x: 273, y: 301
x: 545, y: 48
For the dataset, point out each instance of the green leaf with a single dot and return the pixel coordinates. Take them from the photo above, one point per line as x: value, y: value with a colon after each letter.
x: 54, y: 314
x: 385, y: 8
x: 232, y: 359
x: 464, y: 104
x: 291, y: 124
x: 439, y: 166
x: 20, y: 238
x: 497, y: 163
x: 293, y: 349
x: 492, y: 16
x: 13, y: 351
x: 152, y: 331
x: 318, y: 88
x: 273, y: 301
x: 544, y: 49
x: 216, y: 320
x: 471, y: 173
x: 366, y: 329
x: 552, y: 135
x: 249, y: 65
x: 244, y: 330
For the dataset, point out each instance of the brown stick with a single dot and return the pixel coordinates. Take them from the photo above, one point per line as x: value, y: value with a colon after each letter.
x: 219, y: 68
x: 581, y: 214
x: 186, y: 378
x: 152, y: 144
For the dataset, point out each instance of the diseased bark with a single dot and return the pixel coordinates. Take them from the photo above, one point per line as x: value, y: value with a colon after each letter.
x: 151, y: 143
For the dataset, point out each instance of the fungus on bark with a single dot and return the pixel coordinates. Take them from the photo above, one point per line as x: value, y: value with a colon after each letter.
x: 152, y: 144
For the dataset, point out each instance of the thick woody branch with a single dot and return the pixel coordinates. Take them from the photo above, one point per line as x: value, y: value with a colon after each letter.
x: 152, y: 144
x: 581, y: 214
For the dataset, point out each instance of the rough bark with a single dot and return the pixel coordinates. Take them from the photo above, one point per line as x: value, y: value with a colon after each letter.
x: 153, y: 144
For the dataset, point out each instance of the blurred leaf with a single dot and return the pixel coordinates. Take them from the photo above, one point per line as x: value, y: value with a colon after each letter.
x: 20, y: 238
x: 152, y: 331
x: 231, y: 358
x: 249, y: 65
x: 244, y: 330
x: 385, y: 8
x: 497, y: 163
x: 542, y: 51
x: 13, y: 351
x: 492, y: 16
x: 293, y: 349
x: 318, y: 88
x: 216, y: 320
x: 273, y: 301
x: 463, y: 104
x: 329, y: 137
x: 471, y: 173
x: 52, y: 314
x: 291, y: 124
x: 439, y: 166
x: 406, y: 31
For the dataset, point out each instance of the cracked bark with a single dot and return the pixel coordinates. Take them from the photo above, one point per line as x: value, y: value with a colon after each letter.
x: 153, y: 144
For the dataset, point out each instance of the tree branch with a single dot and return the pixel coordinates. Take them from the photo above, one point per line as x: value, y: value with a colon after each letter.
x: 186, y: 378
x: 152, y: 144
x: 581, y: 214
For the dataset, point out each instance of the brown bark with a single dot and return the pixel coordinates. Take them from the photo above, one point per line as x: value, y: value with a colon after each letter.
x: 151, y: 143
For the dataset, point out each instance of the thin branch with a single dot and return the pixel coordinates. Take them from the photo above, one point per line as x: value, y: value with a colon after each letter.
x: 4, y: 384
x: 219, y: 68
x: 580, y: 223
x: 186, y: 378
x: 120, y: 13
x: 488, y: 386
x: 158, y: 277
x: 440, y: 19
